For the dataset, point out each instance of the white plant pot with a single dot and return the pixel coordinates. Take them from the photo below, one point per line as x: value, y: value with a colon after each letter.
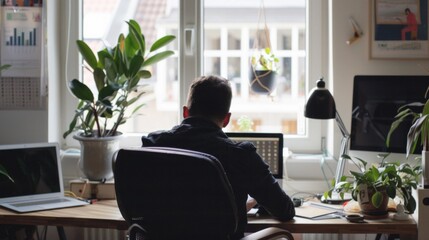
x: 425, y: 167
x: 96, y: 157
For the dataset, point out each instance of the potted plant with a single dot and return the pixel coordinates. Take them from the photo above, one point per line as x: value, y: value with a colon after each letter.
x: 116, y: 74
x: 418, y: 132
x: 373, y: 185
x: 264, y: 66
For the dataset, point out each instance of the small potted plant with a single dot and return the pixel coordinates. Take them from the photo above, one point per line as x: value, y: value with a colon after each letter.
x: 116, y: 72
x: 264, y: 66
x: 373, y: 185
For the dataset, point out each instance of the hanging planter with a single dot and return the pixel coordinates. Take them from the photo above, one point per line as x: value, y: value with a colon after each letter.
x: 262, y: 81
x: 264, y: 64
x: 263, y: 71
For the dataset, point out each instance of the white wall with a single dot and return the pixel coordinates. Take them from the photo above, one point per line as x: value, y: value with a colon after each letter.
x: 350, y: 60
x: 25, y: 126
x: 345, y: 62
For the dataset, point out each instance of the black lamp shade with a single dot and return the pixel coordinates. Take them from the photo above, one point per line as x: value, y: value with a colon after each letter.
x: 320, y: 104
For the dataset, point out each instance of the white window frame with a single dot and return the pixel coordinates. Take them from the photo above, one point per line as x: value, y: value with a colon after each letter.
x: 190, y: 65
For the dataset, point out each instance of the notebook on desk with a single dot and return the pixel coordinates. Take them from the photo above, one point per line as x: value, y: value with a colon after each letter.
x: 36, y: 178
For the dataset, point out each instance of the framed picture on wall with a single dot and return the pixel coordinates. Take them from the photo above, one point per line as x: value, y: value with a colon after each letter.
x: 399, y: 29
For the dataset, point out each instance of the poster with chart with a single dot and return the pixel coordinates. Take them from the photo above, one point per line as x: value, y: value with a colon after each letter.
x: 21, y: 41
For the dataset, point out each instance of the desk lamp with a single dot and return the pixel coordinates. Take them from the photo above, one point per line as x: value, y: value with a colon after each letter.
x: 321, y: 105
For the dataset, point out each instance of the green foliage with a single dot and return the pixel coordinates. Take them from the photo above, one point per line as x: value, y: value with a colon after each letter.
x: 396, y: 178
x: 116, y: 74
x: 245, y: 123
x: 4, y: 67
x: 264, y: 60
x: 419, y: 131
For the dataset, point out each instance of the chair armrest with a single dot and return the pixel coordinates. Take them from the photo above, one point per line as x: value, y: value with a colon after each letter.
x: 269, y: 233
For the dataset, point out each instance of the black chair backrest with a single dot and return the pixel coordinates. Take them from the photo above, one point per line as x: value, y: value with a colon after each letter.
x: 174, y: 193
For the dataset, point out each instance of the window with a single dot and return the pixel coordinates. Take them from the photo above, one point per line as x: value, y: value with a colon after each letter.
x: 226, y: 40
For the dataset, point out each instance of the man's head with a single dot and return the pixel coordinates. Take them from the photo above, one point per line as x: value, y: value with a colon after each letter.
x: 209, y: 97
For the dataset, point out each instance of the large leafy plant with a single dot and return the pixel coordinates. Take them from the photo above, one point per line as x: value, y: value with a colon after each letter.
x: 116, y: 74
x: 419, y: 130
x: 395, y: 178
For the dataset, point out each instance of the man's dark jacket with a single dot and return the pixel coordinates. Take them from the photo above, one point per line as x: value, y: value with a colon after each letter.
x: 246, y: 171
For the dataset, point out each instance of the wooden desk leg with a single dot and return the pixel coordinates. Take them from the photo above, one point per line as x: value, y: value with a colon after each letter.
x: 61, y: 233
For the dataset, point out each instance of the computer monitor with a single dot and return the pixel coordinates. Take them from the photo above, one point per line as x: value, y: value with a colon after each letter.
x: 376, y: 99
x: 269, y: 146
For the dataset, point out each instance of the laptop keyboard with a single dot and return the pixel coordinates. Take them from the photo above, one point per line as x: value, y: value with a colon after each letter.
x: 42, y: 202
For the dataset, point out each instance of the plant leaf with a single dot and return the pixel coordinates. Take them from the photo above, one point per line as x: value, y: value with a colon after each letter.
x: 157, y: 57
x: 135, y: 31
x: 99, y: 78
x: 105, y: 92
x: 377, y: 199
x: 135, y: 65
x: 87, y: 54
x: 80, y: 90
x: 162, y: 42
x: 4, y: 67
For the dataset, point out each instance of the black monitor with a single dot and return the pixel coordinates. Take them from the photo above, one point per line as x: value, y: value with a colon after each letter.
x: 376, y: 100
x: 269, y: 146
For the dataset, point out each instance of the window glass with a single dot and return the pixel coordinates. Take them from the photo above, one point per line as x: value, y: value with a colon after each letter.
x: 156, y: 19
x: 229, y: 41
x: 271, y: 108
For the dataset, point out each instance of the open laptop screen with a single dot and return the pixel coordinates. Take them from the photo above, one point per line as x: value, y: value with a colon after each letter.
x: 33, y: 168
x: 269, y: 146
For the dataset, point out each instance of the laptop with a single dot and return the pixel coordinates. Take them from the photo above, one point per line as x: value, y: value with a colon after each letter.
x: 268, y: 145
x: 37, y: 181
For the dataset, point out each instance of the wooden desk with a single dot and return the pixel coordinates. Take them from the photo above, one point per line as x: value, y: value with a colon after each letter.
x: 340, y: 226
x: 105, y: 214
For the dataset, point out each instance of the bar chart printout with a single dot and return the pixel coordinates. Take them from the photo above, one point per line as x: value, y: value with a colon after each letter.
x: 21, y: 37
x: 21, y: 45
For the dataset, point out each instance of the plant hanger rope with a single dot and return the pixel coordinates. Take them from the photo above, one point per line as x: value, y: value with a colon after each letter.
x: 256, y: 47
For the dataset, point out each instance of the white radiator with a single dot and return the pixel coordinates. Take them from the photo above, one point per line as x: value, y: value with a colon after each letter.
x: 103, y: 234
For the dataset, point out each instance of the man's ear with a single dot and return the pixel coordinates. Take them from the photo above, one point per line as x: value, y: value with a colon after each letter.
x: 226, y: 119
x: 185, y: 112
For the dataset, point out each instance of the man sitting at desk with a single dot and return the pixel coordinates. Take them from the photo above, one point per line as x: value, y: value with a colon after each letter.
x: 206, y: 113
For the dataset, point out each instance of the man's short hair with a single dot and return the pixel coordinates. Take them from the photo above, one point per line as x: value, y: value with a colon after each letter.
x: 210, y: 96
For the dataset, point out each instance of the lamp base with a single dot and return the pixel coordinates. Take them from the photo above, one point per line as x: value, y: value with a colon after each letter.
x: 336, y: 198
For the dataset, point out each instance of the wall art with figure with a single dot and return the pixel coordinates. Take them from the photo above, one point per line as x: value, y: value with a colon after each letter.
x: 399, y: 29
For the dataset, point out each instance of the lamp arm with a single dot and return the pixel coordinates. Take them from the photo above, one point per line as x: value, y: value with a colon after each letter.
x: 343, y: 150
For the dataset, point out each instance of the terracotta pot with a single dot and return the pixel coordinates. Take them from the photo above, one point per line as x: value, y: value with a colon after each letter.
x: 364, y: 199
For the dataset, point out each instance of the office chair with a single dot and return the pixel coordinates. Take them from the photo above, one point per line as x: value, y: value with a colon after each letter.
x: 169, y: 193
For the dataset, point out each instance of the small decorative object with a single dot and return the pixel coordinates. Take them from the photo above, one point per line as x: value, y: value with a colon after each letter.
x: 418, y: 133
x: 400, y: 213
x: 373, y: 185
x: 116, y: 72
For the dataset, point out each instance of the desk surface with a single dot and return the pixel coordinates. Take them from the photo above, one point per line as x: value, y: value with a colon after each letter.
x: 102, y: 214
x: 105, y: 214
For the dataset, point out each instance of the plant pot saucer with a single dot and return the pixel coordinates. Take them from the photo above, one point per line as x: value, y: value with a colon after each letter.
x: 378, y: 215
